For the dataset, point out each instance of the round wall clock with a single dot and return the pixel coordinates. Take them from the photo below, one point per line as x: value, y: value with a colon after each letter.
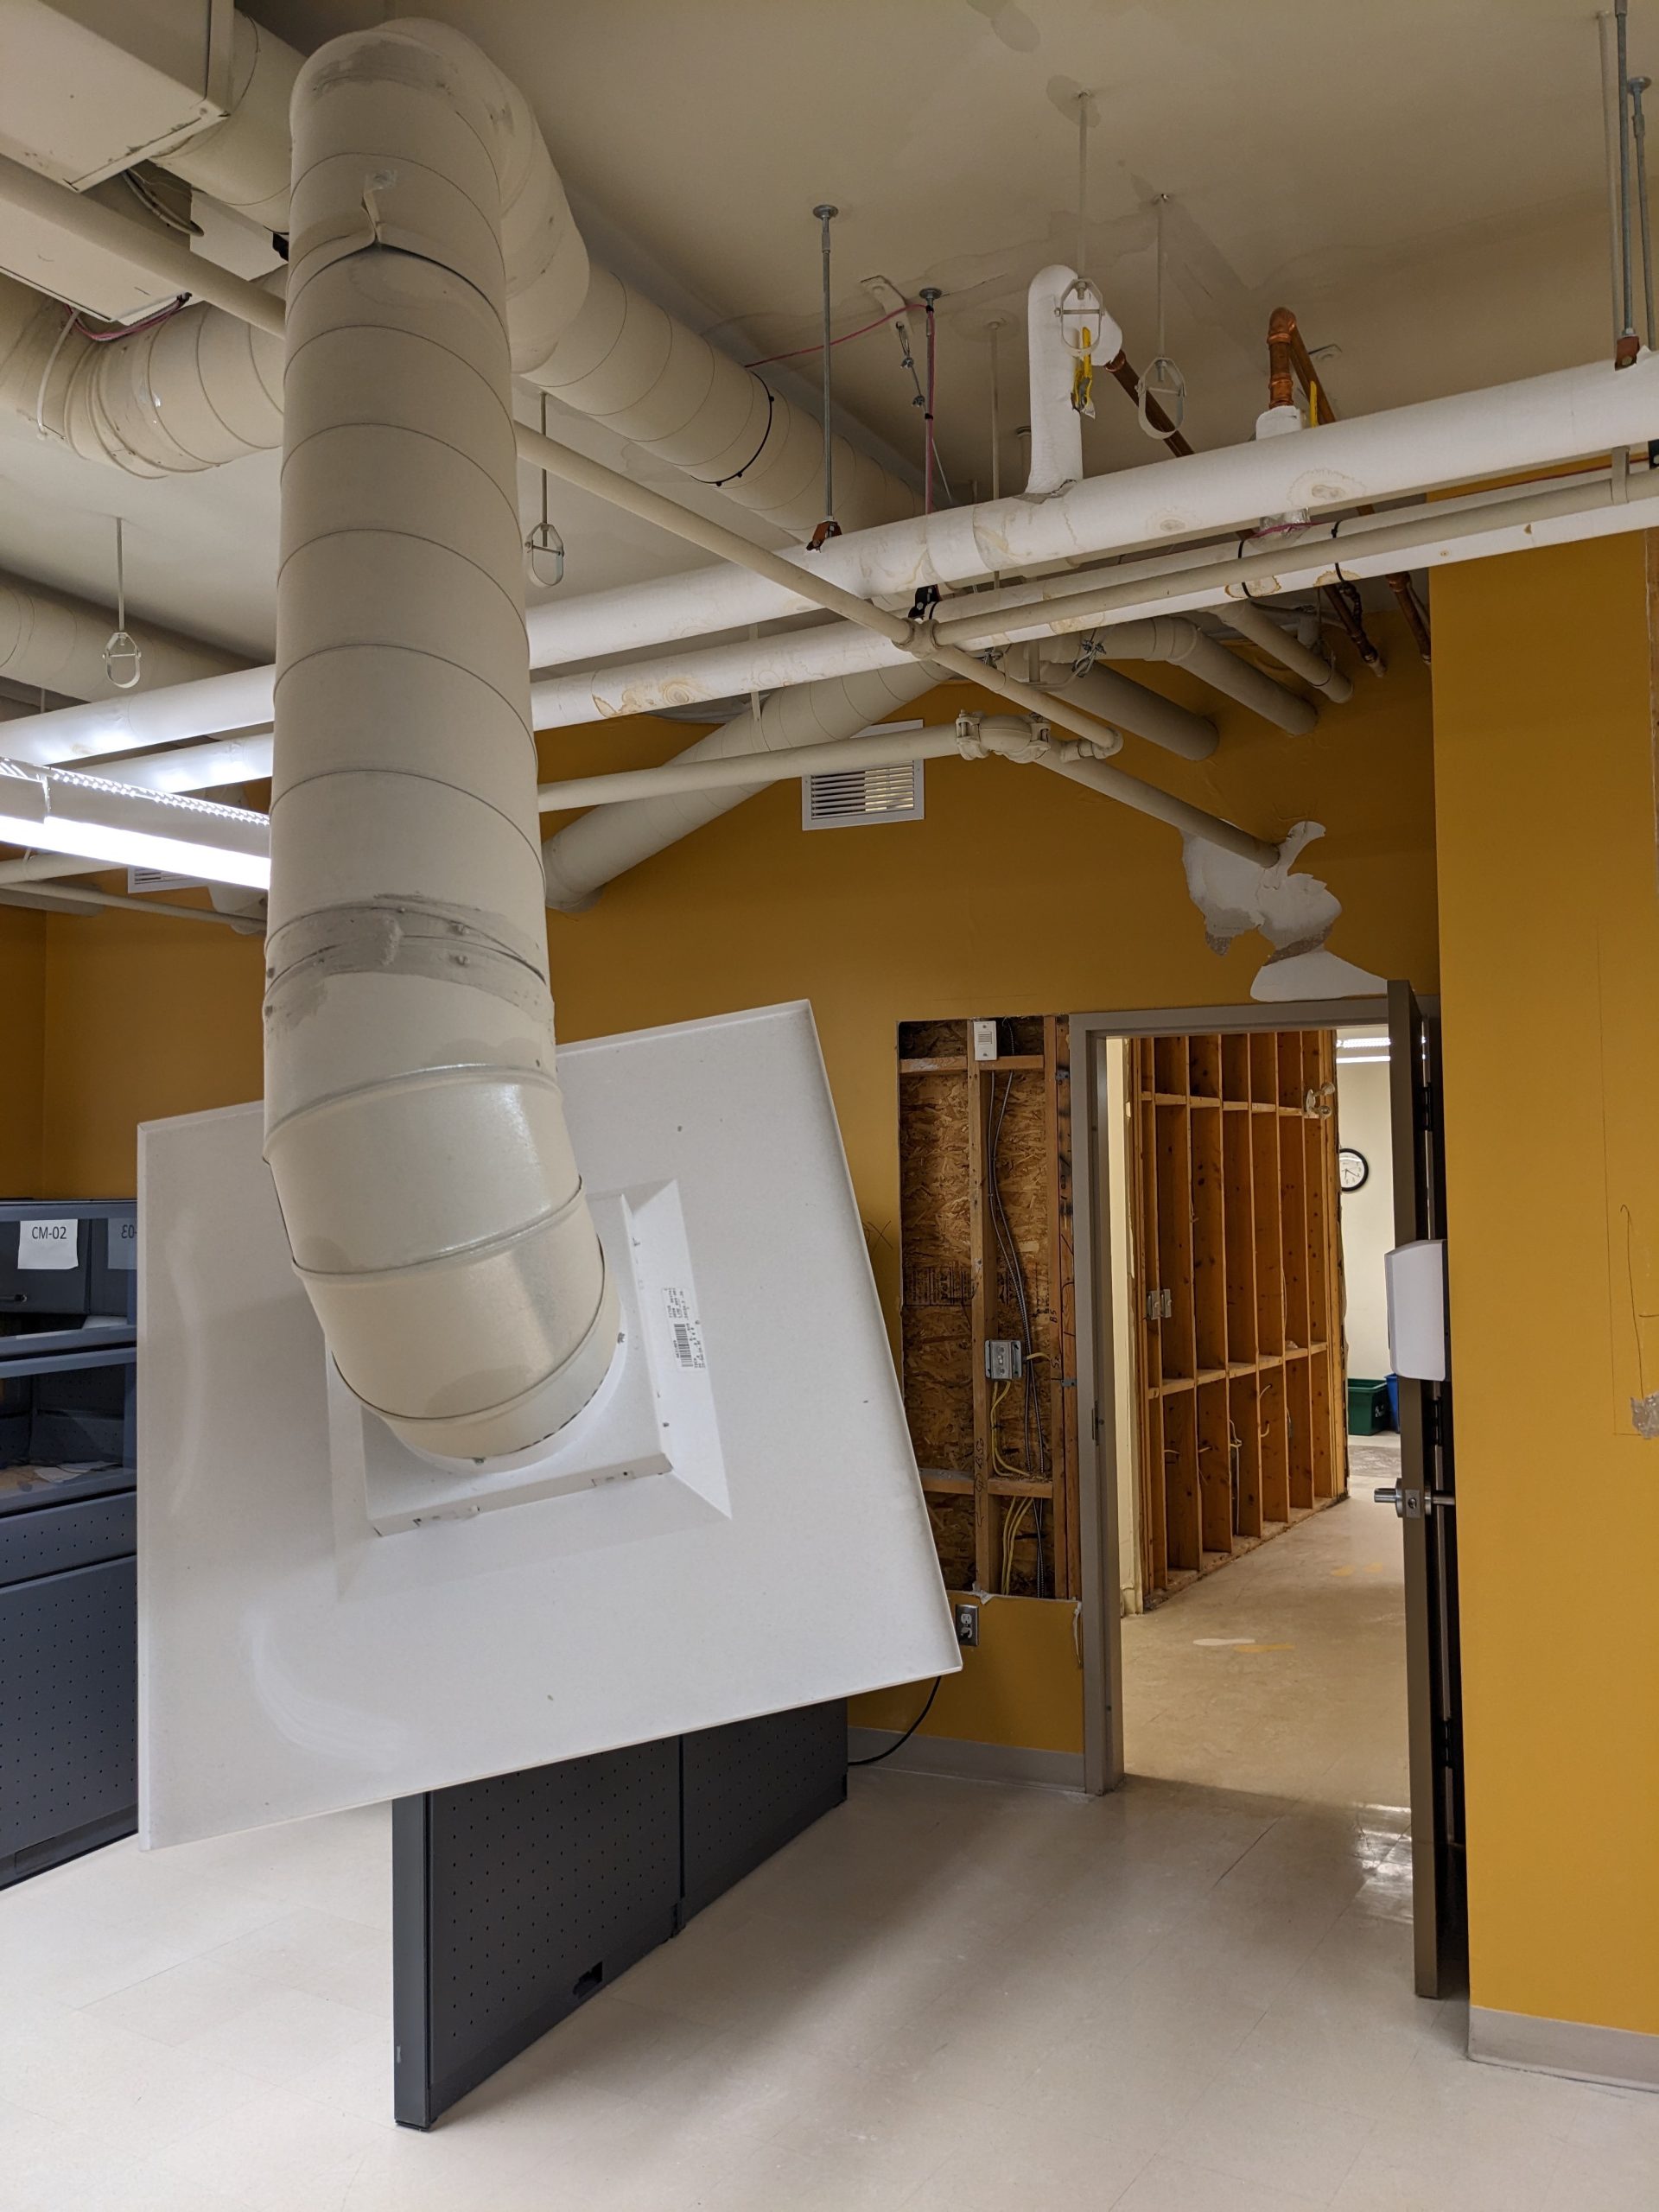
x: 1352, y: 1168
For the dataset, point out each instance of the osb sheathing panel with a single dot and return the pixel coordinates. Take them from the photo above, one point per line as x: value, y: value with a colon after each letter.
x: 936, y: 1322
x: 936, y: 1328
x: 953, y: 1536
x: 1023, y: 1173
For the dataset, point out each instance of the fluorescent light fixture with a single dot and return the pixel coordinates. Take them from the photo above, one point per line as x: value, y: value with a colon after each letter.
x: 1363, y: 1060
x: 59, y: 811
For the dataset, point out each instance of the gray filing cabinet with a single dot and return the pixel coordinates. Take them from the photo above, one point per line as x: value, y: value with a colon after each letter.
x: 69, y: 1639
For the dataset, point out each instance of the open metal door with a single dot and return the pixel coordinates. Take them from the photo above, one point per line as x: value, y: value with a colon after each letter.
x: 1425, y: 1500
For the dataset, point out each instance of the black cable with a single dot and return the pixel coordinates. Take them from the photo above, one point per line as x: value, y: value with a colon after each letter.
x: 1032, y: 1407
x: 877, y: 1757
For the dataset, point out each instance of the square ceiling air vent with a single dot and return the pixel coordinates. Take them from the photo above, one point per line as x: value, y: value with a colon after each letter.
x: 841, y: 799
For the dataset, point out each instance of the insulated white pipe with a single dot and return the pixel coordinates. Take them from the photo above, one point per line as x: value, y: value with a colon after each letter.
x: 414, y: 1125
x: 227, y: 760
x: 1056, y: 425
x: 1177, y: 638
x: 744, y: 773
x: 56, y: 643
x: 622, y: 360
x: 581, y: 859
x: 138, y: 720
x: 1508, y: 429
x: 813, y: 656
x: 1259, y: 627
x: 1479, y: 527
x: 1128, y: 705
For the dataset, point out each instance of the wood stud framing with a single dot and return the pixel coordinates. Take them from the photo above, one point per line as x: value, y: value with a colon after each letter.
x: 1236, y: 1279
x: 972, y: 1133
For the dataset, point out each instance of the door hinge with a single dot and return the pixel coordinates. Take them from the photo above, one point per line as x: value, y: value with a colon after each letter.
x: 1446, y: 1743
x: 1428, y: 1109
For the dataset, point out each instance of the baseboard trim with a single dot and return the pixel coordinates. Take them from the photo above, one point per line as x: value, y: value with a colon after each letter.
x: 1623, y: 2058
x: 964, y: 1761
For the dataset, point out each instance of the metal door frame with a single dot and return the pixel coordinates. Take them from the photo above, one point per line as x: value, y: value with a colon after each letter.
x: 1100, y: 1621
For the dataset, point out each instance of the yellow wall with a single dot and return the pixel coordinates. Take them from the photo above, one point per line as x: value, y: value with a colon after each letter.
x: 1018, y: 894
x: 1549, y: 936
x: 22, y: 1046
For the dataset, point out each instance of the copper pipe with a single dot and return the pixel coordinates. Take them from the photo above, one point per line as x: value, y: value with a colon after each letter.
x: 1123, y: 371
x: 1345, y: 605
x: 1289, y: 363
x: 1282, y: 337
x: 1416, y: 620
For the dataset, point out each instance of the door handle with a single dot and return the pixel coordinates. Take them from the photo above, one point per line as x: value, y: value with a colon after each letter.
x: 1413, y: 1505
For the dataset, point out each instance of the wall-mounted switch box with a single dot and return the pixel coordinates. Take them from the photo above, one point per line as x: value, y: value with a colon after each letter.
x: 1004, y: 1360
x: 967, y: 1626
x: 985, y: 1040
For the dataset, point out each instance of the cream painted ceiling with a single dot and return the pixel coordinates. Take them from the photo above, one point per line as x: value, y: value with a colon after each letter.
x: 1421, y: 180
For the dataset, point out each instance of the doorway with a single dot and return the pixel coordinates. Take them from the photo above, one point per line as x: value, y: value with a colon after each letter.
x: 1249, y: 1617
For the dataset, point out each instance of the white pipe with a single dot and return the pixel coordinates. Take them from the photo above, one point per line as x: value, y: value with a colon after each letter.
x: 84, y: 896
x: 1508, y: 429
x: 1177, y: 638
x: 139, y: 720
x: 1056, y: 425
x: 744, y: 773
x: 1259, y: 627
x: 622, y: 360
x: 581, y: 859
x: 1479, y: 527
x: 56, y: 643
x: 1128, y: 705
x: 227, y: 760
x: 414, y: 1125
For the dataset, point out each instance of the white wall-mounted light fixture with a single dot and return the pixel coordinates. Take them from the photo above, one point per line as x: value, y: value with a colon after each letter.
x: 59, y: 811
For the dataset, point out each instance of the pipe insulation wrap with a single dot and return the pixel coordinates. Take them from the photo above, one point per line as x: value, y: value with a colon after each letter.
x: 1178, y: 640
x: 51, y: 640
x: 622, y: 360
x: 414, y: 1125
x: 581, y: 859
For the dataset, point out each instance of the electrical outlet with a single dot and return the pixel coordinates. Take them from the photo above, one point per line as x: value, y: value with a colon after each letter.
x: 968, y: 1626
x: 1004, y: 1359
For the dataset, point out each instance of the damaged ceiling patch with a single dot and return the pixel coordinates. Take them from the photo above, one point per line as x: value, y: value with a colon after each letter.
x: 1294, y: 913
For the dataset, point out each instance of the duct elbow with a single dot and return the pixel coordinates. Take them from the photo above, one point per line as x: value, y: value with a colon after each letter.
x: 473, y: 1312
x: 415, y: 1129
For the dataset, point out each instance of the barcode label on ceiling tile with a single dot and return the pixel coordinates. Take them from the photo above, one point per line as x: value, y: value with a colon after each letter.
x: 685, y: 1328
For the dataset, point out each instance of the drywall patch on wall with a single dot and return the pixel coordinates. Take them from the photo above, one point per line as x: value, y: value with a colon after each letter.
x: 22, y: 996
x: 1552, y: 1067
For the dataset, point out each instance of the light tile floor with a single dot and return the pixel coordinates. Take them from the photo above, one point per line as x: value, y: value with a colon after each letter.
x: 1193, y: 1996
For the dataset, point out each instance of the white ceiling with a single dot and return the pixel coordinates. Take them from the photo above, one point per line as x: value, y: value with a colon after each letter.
x: 1422, y: 181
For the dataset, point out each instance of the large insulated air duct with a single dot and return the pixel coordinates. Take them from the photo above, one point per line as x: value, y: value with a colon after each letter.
x: 186, y: 392
x: 56, y: 643
x: 581, y: 859
x: 414, y: 1124
x: 621, y: 360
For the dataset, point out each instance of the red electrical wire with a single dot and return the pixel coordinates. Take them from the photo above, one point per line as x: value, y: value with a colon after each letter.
x: 863, y: 331
x: 129, y: 329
